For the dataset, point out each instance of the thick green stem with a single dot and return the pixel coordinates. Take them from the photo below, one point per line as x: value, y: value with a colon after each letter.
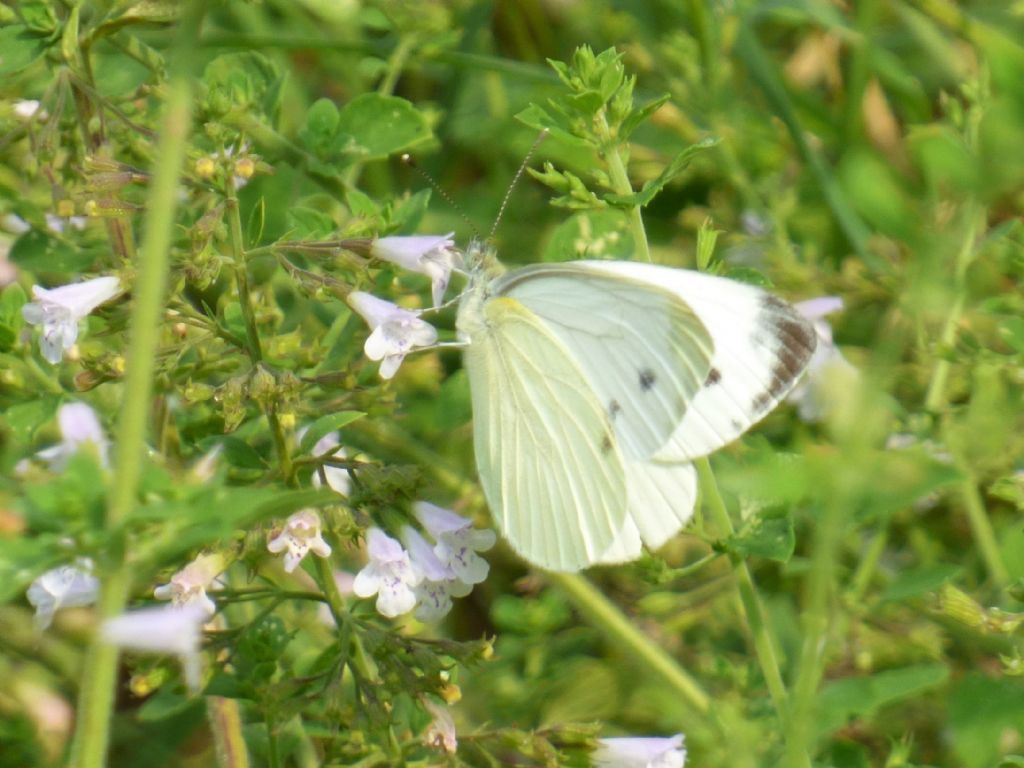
x: 619, y: 176
x: 96, y: 699
x: 936, y: 394
x: 764, y: 646
x: 818, y: 585
x: 607, y: 617
x: 981, y: 528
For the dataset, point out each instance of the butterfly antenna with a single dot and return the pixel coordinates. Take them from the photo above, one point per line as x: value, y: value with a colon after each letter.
x: 407, y: 160
x: 515, y: 180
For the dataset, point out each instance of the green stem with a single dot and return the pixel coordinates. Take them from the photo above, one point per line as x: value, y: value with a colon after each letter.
x: 96, y: 698
x: 936, y: 393
x: 818, y: 585
x: 396, y: 63
x: 764, y: 646
x: 621, y: 184
x: 607, y: 617
x: 239, y: 257
x: 763, y: 71
x: 868, y: 565
x: 981, y: 527
x: 342, y: 618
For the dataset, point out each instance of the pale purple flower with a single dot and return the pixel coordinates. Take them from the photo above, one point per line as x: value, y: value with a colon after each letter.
x: 640, y: 753
x: 338, y: 478
x: 301, y: 534
x: 58, y: 311
x: 14, y: 224
x: 431, y: 255
x: 439, y: 585
x: 440, y: 734
x: 188, y: 586
x: 58, y: 224
x: 395, y: 332
x: 26, y: 109
x: 457, y: 541
x: 827, y: 369
x: 79, y: 427
x: 161, y: 630
x: 69, y: 586
x: 389, y: 574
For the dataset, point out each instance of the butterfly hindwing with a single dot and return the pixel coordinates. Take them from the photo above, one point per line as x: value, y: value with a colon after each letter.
x: 548, y: 460
x: 761, y: 347
x: 644, y: 352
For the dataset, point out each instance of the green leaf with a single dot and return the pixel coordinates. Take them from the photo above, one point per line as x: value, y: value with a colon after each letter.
x: 920, y: 581
x: 843, y: 700
x: 655, y: 185
x: 769, y: 536
x: 242, y: 82
x: 38, y: 252
x: 325, y: 425
x: 163, y: 704
x: 638, y: 116
x: 308, y: 223
x: 237, y: 452
x: 23, y: 420
x: 23, y: 559
x: 558, y: 127
x: 985, y: 712
x: 376, y: 126
x: 19, y: 47
x: 319, y: 134
x: 601, y: 234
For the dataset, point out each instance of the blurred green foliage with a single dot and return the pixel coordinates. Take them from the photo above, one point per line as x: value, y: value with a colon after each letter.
x: 870, y: 151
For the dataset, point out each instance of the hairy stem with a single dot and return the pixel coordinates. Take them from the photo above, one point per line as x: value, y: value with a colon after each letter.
x: 96, y: 698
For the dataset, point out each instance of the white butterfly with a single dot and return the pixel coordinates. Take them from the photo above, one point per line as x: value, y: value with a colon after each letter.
x: 596, y: 383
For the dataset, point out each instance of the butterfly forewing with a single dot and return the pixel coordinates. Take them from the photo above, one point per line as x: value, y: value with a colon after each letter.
x: 761, y: 347
x: 548, y: 460
x: 644, y: 352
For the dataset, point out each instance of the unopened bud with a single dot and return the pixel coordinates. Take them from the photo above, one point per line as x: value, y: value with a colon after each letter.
x: 65, y: 209
x: 205, y: 167
x: 245, y: 167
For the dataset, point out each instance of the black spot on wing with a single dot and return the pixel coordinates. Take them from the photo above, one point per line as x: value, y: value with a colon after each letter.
x: 792, y: 339
x: 606, y: 443
x: 647, y: 379
x: 614, y: 409
x: 714, y: 376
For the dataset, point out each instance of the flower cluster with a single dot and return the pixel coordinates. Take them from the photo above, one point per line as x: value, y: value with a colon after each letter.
x: 419, y: 575
x: 394, y: 331
x: 652, y: 752
x: 69, y: 586
x: 188, y: 586
x: 300, y: 536
x: 59, y: 310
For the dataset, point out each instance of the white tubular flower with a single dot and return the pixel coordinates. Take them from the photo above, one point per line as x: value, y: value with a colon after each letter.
x: 440, y: 734
x: 58, y: 311
x: 14, y: 224
x: 390, y: 575
x: 79, y: 426
x: 457, y: 541
x: 640, y: 753
x: 26, y: 109
x: 827, y: 368
x: 57, y: 224
x: 161, y: 630
x: 301, y: 535
x: 188, y: 586
x: 395, y: 332
x: 69, y: 586
x: 439, y: 585
x: 431, y: 255
x: 338, y: 479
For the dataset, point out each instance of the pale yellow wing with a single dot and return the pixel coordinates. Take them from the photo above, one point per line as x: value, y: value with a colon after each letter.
x: 548, y: 458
